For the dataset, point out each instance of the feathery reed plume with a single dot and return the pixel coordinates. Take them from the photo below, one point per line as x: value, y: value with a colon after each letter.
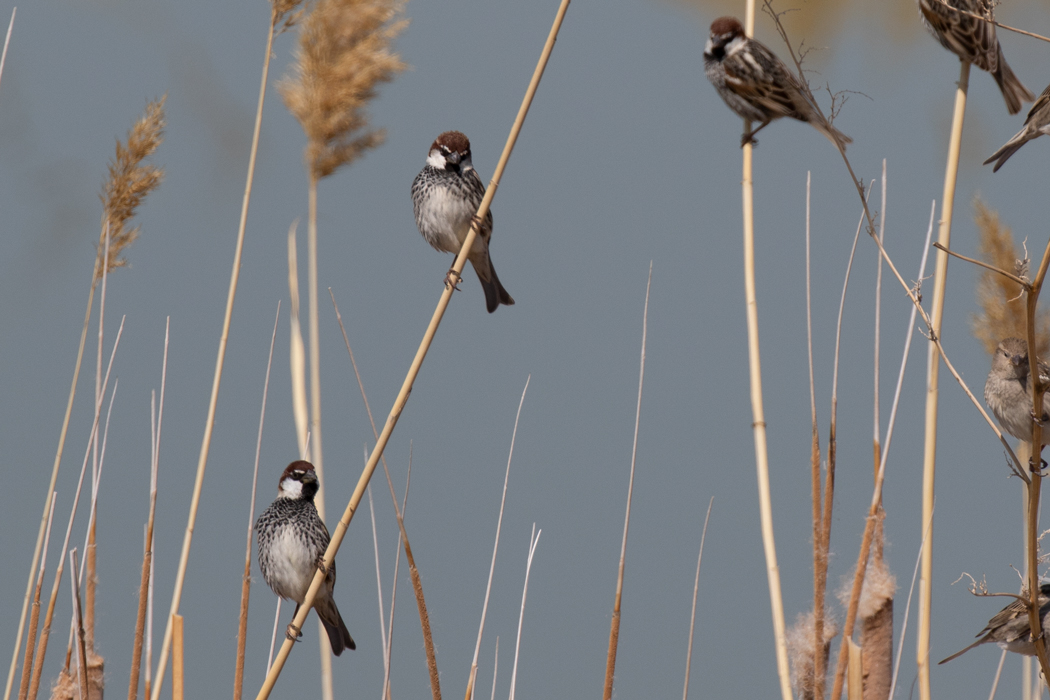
x: 284, y: 14
x: 802, y: 652
x: 344, y: 53
x: 1002, y: 299
x: 130, y: 181
x: 135, y: 182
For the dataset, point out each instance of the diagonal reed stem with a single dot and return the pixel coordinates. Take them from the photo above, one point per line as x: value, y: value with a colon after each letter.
x: 406, y: 387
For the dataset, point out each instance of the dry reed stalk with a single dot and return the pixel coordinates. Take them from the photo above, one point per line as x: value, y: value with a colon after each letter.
x: 614, y: 624
x: 1001, y: 298
x: 156, y: 423
x: 534, y: 539
x: 922, y: 650
x: 178, y: 677
x: 246, y: 585
x: 34, y: 618
x: 495, y: 667
x: 757, y: 406
x: 876, y: 614
x: 819, y: 559
x: 1038, y: 390
x: 393, y: 591
x: 129, y: 183
x: 495, y: 548
x: 82, y: 676
x: 38, y: 663
x: 283, y: 14
x: 856, y: 671
x: 406, y: 387
x: 696, y: 589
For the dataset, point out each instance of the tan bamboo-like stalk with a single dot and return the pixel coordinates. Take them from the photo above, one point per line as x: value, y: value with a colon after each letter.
x: 178, y: 675
x: 209, y: 423
x: 614, y: 624
x: 1038, y: 390
x: 246, y: 585
x: 922, y: 651
x: 856, y: 671
x: 327, y: 690
x: 495, y: 548
x: 417, y: 362
x: 696, y: 589
x: 776, y: 601
x: 34, y: 618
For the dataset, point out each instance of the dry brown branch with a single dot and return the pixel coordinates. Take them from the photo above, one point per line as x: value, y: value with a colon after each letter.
x: 344, y: 53
x: 130, y: 181
x: 1002, y: 300
x: 177, y: 672
x: 34, y: 618
x: 876, y: 615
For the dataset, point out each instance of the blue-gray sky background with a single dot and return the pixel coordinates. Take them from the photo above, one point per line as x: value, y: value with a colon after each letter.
x: 627, y: 156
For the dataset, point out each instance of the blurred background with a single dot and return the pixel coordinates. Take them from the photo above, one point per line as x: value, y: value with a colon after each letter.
x: 628, y: 156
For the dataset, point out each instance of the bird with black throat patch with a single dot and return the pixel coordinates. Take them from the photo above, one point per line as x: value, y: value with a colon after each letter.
x: 446, y: 195
x: 756, y: 85
x: 292, y: 542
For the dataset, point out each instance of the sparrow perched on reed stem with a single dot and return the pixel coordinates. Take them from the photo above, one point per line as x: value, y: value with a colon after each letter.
x: 974, y: 40
x: 1010, y: 629
x: 446, y: 195
x: 756, y: 85
x: 1007, y: 391
x: 1035, y: 125
x: 292, y: 542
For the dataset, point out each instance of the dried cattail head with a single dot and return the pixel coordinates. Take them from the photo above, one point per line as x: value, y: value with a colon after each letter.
x: 801, y: 650
x: 1003, y: 302
x: 129, y: 182
x: 344, y: 52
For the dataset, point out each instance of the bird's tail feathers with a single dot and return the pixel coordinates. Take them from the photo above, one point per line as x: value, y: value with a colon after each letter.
x: 338, y: 636
x: 495, y: 294
x: 1008, y: 149
x: 1014, y: 91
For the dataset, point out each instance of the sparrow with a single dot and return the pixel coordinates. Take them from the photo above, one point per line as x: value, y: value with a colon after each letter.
x: 1035, y: 125
x: 756, y: 85
x: 1010, y: 629
x: 445, y: 197
x: 1007, y: 392
x: 974, y: 40
x: 292, y: 542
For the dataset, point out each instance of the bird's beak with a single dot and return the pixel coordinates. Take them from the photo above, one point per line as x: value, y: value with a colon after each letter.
x: 1017, y: 360
x: 452, y: 158
x: 309, y: 478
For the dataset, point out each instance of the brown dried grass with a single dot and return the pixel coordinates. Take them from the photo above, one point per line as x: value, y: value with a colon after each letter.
x: 1001, y: 299
x: 130, y: 181
x: 344, y: 53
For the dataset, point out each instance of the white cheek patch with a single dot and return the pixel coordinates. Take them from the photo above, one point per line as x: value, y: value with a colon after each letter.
x: 735, y: 45
x: 290, y: 488
x: 435, y: 159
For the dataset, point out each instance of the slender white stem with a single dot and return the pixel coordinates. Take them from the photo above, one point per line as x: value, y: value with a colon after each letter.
x: 878, y: 298
x: 809, y: 314
x: 273, y: 637
x: 379, y: 580
x: 907, y: 609
x: 907, y: 347
x: 393, y: 589
x: 98, y: 473
x: 696, y: 588
x: 7, y: 41
x: 838, y: 328
x: 534, y: 539
x: 998, y: 673
x: 495, y: 546
x: 81, y: 662
x: 495, y: 667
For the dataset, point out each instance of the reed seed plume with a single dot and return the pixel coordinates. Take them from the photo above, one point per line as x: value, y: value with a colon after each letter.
x: 130, y: 181
x: 344, y: 53
x: 285, y: 14
x: 1002, y: 302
